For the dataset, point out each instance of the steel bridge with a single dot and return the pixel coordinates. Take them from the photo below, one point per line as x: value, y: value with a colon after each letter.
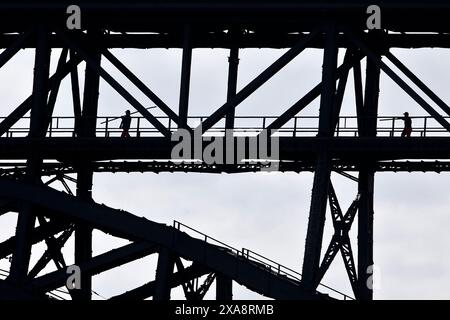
x: 39, y: 147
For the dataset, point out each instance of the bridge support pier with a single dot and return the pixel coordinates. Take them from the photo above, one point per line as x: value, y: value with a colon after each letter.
x: 366, y: 184
x: 365, y: 233
x: 83, y: 233
x: 164, y: 270
x: 313, y: 246
x: 26, y: 219
x: 224, y: 287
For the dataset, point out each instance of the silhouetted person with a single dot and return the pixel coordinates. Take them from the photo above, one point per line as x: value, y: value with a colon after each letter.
x: 125, y: 125
x: 408, y: 125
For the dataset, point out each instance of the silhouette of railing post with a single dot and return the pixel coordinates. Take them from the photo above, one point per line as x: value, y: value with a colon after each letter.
x: 138, y: 126
x: 425, y: 126
x: 106, y: 127
x: 50, y: 128
x: 295, y: 127
x: 393, y: 127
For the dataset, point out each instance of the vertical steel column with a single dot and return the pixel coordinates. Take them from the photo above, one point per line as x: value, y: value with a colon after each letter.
x: 359, y: 99
x: 366, y: 184
x: 164, y: 270
x: 224, y: 288
x: 75, y: 96
x: 233, y: 62
x: 185, y: 76
x: 313, y: 246
x: 328, y: 82
x: 26, y: 219
x: 365, y: 231
x: 83, y: 232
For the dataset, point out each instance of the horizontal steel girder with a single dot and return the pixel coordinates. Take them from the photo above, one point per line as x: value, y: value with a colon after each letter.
x: 152, y: 15
x: 17, y: 169
x: 307, y: 148
x: 277, y: 40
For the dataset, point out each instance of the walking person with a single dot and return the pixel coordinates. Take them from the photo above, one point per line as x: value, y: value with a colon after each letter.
x: 408, y: 125
x: 125, y: 124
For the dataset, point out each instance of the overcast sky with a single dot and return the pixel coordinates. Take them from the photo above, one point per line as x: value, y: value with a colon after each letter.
x: 265, y: 212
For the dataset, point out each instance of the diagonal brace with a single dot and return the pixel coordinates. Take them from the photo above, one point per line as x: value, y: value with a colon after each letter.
x: 113, y: 83
x: 340, y: 240
x: 397, y: 79
x: 258, y: 81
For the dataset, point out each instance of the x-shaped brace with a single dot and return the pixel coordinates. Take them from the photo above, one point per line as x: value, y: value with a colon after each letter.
x: 340, y: 240
x: 191, y: 291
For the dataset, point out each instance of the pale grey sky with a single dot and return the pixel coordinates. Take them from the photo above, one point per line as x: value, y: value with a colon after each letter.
x: 266, y: 212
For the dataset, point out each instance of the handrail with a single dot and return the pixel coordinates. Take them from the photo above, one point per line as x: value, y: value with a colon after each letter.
x: 247, y: 254
x: 252, y: 256
x: 347, y: 125
x: 4, y: 272
x: 177, y: 225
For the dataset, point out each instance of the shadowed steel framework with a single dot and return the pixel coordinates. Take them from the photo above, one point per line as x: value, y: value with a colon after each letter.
x: 72, y: 149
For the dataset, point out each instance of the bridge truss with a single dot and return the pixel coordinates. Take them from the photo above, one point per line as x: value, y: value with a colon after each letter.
x: 30, y: 153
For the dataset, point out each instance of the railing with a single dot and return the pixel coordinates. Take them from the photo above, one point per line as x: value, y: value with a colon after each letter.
x: 62, y: 126
x: 263, y: 262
